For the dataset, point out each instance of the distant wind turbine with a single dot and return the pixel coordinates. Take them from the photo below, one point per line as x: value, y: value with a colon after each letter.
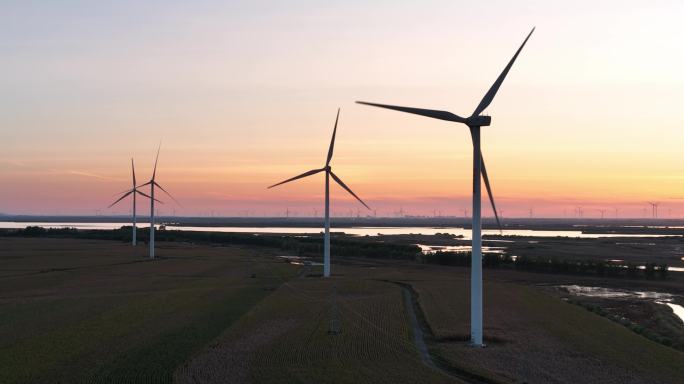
x: 153, y: 183
x: 474, y: 122
x: 328, y: 174
x: 654, y: 209
x: 133, y: 191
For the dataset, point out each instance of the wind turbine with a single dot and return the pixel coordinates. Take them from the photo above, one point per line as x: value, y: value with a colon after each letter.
x: 654, y: 209
x: 153, y: 183
x: 133, y: 191
x: 328, y: 174
x: 474, y: 122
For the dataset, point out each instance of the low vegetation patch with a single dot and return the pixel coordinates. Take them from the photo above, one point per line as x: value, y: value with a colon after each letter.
x: 553, y: 265
x: 655, y: 322
x: 312, y: 245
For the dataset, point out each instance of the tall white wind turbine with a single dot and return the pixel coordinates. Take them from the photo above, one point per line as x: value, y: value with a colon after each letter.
x: 474, y: 122
x: 153, y: 183
x: 328, y: 174
x: 133, y: 191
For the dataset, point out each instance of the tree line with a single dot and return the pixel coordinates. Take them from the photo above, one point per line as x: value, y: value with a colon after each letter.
x: 362, y: 246
x: 550, y: 264
x: 311, y: 245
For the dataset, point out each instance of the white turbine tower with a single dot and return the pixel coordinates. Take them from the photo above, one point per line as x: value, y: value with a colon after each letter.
x: 328, y: 173
x: 152, y: 183
x: 133, y: 191
x: 474, y: 122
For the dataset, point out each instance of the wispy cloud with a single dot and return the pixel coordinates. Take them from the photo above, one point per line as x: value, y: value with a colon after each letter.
x: 15, y: 163
x: 89, y: 174
x: 26, y: 170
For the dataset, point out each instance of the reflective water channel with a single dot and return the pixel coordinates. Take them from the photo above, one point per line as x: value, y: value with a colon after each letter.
x: 614, y: 293
x: 357, y: 231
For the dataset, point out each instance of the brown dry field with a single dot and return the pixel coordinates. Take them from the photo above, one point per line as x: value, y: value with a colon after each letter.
x: 532, y: 336
x: 98, y: 311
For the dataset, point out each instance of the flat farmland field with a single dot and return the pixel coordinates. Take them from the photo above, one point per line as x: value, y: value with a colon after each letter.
x: 533, y: 336
x: 88, y: 311
x: 287, y: 339
x: 98, y: 311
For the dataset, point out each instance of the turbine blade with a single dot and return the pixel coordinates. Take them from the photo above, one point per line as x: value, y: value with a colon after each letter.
x: 489, y: 192
x: 332, y: 141
x: 162, y: 188
x: 489, y: 96
x: 142, y: 185
x: 120, y: 198
x: 442, y: 115
x: 148, y: 196
x: 133, y: 169
x: 154, y: 173
x: 341, y: 183
x: 305, y: 174
x: 119, y: 193
x: 143, y: 194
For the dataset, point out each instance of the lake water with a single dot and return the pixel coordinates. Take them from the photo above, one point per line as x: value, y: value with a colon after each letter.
x: 612, y: 293
x: 458, y: 249
x: 358, y: 231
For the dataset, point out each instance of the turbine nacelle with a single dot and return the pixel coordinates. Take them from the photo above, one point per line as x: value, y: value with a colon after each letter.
x: 479, y: 121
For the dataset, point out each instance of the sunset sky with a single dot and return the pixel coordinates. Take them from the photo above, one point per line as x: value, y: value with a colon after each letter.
x: 243, y: 94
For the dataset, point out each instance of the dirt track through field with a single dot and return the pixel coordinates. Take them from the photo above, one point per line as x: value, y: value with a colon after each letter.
x: 421, y: 345
x: 417, y: 331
